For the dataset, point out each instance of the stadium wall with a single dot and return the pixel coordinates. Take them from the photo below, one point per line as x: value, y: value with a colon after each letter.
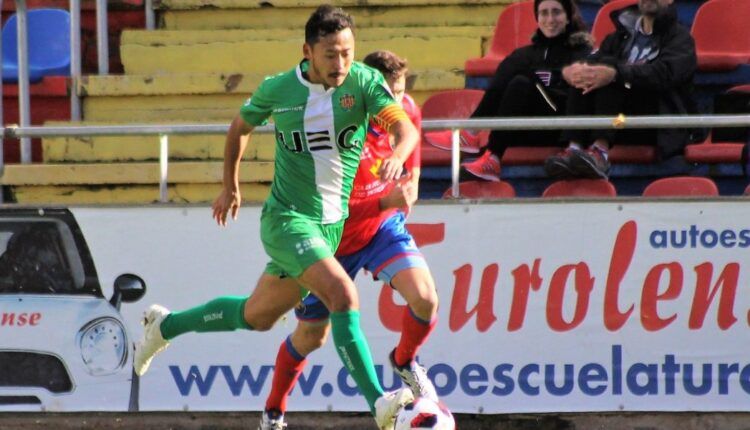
x: 623, y: 307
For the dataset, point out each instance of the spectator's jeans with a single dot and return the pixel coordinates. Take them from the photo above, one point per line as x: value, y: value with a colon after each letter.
x: 612, y: 100
x: 522, y: 98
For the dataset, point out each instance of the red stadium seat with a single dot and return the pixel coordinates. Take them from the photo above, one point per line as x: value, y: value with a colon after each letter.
x: 681, y: 186
x: 603, y: 25
x: 710, y: 152
x: 515, y: 26
x: 747, y: 190
x: 580, y: 188
x: 518, y: 155
x: 619, y: 154
x: 721, y: 34
x: 632, y: 154
x: 483, y: 190
x: 433, y: 156
x: 451, y: 104
x: 740, y: 89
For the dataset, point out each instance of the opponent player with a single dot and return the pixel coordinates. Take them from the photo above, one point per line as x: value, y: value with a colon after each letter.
x: 321, y: 110
x: 375, y: 239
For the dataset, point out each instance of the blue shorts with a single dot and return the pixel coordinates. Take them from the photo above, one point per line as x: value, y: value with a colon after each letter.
x: 390, y: 251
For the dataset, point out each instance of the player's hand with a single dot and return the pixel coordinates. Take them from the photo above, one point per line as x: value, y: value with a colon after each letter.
x: 391, y: 169
x: 228, y: 201
x: 403, y: 195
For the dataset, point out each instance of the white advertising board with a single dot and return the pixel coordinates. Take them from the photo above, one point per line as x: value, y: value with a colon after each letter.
x: 545, y: 307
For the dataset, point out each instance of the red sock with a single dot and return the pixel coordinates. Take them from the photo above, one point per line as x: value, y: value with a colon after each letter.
x: 289, y: 365
x: 414, y: 333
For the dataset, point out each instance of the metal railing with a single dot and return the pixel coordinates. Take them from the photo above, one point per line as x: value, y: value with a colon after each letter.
x: 538, y: 123
x: 102, y: 45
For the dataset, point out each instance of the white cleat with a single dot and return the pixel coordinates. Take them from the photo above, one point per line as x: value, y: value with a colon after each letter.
x: 152, y: 342
x: 267, y: 422
x: 415, y: 376
x: 388, y: 405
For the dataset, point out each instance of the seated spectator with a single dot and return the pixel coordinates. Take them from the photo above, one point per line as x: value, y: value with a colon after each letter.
x: 529, y: 83
x: 645, y: 67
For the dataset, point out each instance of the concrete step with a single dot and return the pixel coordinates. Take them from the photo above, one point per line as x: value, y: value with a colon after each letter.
x: 287, y: 4
x: 203, y: 98
x: 445, y: 15
x: 271, y: 56
x: 206, y: 108
x: 132, y: 194
x: 129, y: 173
x: 87, y: 149
x: 110, y: 183
x: 199, y: 37
x: 418, y: 81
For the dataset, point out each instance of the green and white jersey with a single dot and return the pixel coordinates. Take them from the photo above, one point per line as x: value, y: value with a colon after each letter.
x: 319, y: 136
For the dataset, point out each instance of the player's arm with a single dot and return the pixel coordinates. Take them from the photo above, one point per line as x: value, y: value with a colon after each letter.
x: 230, y: 198
x: 405, y: 138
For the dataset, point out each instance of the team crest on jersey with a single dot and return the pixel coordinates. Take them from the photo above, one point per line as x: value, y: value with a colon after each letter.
x: 347, y: 101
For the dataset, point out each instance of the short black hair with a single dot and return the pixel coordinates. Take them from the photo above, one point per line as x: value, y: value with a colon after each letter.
x: 326, y: 20
x: 389, y: 64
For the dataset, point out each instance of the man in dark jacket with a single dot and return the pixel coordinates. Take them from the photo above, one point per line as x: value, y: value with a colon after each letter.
x: 645, y: 67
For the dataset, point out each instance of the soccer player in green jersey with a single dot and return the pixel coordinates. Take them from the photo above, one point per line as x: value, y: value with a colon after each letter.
x: 321, y: 110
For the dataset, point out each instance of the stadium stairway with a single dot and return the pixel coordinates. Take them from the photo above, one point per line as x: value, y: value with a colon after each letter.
x: 201, y: 64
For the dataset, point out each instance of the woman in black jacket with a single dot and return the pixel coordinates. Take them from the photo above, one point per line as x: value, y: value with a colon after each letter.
x: 529, y: 83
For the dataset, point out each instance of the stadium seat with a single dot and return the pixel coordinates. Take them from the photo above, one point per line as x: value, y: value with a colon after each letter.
x: 740, y: 89
x: 681, y: 186
x: 619, y: 154
x: 523, y: 155
x: 710, y: 152
x: 514, y: 28
x: 483, y: 190
x: 433, y: 156
x: 632, y: 154
x: 445, y: 105
x: 721, y: 36
x: 603, y: 23
x: 747, y: 190
x: 48, y: 45
x: 581, y: 188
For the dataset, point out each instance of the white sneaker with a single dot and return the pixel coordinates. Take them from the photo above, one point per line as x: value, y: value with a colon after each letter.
x: 388, y: 405
x: 152, y: 342
x: 415, y: 376
x: 268, y: 423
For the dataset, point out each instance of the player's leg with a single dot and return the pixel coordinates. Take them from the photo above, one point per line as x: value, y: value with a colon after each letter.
x: 397, y: 261
x: 328, y: 280
x: 271, y: 299
x: 416, y: 286
x: 304, y: 250
x: 310, y: 334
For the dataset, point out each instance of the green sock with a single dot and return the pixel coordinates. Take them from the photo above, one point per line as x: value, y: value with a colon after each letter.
x: 355, y: 354
x: 225, y: 313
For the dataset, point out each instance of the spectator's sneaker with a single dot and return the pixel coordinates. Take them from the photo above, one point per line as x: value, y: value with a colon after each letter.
x: 486, y: 167
x: 591, y: 163
x: 468, y: 141
x: 558, y: 166
x: 272, y: 420
x: 415, y: 377
x: 152, y: 342
x: 388, y: 405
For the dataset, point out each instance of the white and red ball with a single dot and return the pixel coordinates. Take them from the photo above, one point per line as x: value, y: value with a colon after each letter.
x: 424, y: 414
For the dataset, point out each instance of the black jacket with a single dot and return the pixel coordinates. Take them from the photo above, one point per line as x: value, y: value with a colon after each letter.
x: 670, y: 73
x: 543, y: 54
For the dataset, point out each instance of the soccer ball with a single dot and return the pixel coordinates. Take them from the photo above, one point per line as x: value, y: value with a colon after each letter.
x: 424, y: 414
